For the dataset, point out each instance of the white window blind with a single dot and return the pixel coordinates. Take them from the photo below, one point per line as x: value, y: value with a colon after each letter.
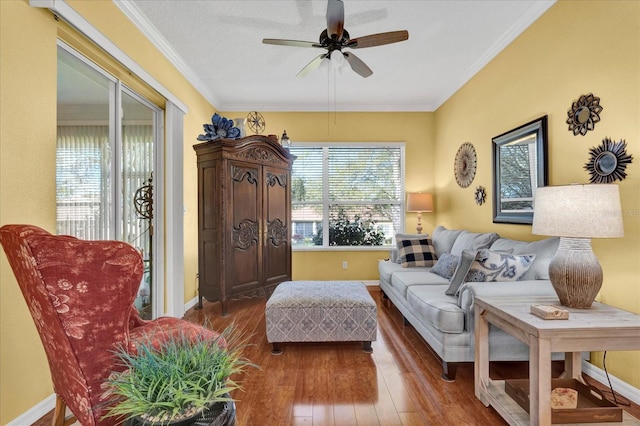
x: 347, y: 194
x: 83, y: 180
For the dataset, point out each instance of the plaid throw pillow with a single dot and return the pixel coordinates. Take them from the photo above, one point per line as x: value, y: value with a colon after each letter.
x: 417, y: 253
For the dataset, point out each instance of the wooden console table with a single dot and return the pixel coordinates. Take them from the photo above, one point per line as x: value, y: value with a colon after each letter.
x: 599, y: 328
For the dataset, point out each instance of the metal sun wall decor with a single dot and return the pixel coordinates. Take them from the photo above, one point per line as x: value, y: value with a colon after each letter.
x: 220, y: 128
x: 608, y: 162
x: 464, y: 166
x: 256, y: 122
x: 480, y: 195
x: 584, y: 114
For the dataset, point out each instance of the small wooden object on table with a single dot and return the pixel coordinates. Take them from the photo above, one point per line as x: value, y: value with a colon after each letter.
x: 550, y: 312
x: 600, y: 328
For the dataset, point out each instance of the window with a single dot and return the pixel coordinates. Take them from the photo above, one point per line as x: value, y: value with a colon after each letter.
x: 347, y: 194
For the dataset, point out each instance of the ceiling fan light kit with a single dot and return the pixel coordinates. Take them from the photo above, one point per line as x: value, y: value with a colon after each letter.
x: 336, y: 38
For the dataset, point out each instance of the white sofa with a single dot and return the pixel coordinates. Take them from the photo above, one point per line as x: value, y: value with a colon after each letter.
x: 446, y: 322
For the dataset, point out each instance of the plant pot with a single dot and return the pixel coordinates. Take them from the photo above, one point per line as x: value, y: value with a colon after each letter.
x: 219, y: 414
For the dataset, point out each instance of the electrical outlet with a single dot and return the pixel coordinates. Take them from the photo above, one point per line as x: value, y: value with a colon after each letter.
x: 344, y: 265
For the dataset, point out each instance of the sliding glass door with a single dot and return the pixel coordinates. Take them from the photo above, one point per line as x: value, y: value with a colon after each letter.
x: 106, y: 156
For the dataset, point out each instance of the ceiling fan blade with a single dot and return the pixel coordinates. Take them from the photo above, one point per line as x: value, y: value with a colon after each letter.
x: 357, y: 65
x: 294, y: 43
x: 378, y: 39
x: 335, y: 19
x: 311, y: 66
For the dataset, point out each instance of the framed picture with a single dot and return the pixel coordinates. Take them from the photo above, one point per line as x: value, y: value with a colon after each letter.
x: 519, y: 168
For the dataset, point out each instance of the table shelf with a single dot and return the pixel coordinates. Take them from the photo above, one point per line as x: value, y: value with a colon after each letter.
x: 515, y: 415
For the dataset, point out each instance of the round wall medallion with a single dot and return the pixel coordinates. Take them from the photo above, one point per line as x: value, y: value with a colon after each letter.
x: 464, y: 166
x: 608, y: 162
x: 584, y: 114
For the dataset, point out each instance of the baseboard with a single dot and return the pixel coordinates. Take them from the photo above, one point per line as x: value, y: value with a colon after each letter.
x: 621, y: 388
x: 193, y: 302
x: 36, y: 412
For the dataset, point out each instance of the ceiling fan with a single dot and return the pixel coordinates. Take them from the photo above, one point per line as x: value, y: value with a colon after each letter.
x: 336, y: 38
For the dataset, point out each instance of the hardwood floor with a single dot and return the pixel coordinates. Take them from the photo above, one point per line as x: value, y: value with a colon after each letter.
x: 339, y: 384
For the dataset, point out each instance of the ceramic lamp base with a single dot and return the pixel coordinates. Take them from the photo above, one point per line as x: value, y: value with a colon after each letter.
x: 575, y: 273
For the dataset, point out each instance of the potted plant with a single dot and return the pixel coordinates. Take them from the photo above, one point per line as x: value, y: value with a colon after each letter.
x: 183, y: 380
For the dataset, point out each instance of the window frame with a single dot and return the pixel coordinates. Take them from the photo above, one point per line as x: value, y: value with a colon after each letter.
x: 325, y: 191
x: 114, y: 123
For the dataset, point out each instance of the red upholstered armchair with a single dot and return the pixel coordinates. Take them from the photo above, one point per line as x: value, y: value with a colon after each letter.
x: 80, y: 295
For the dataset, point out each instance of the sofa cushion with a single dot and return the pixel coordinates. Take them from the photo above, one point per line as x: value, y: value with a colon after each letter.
x: 436, y: 308
x: 496, y: 266
x: 402, y: 281
x: 416, y: 253
x: 472, y: 241
x: 386, y: 269
x: 444, y: 238
x: 446, y: 265
x: 466, y: 259
x: 544, y: 250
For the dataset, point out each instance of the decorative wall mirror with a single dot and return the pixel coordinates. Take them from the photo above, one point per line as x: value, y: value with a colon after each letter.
x: 519, y: 168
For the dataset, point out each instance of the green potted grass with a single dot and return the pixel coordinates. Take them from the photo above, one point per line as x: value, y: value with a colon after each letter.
x: 183, y: 381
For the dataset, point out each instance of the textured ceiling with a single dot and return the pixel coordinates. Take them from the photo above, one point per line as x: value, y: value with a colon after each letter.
x: 218, y: 46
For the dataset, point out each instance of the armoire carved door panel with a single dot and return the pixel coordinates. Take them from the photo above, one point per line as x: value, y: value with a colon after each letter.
x: 277, y: 249
x: 244, y: 269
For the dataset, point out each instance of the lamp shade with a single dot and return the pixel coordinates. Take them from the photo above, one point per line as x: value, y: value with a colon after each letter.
x: 419, y: 202
x: 578, y: 211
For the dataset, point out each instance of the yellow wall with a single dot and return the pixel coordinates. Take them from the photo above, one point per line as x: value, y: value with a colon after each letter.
x: 574, y: 49
x: 28, y: 66
x: 414, y: 129
x: 27, y: 188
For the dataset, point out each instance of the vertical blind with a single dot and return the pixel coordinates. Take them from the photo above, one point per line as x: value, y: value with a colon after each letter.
x: 359, y: 187
x: 84, y: 181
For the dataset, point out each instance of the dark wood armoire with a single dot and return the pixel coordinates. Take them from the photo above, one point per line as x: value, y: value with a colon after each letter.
x: 244, y: 218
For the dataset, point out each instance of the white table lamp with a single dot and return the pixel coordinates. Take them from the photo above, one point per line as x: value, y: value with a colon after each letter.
x: 577, y: 213
x: 419, y: 202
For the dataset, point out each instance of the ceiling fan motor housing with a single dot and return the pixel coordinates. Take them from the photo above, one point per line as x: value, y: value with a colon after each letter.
x: 331, y: 44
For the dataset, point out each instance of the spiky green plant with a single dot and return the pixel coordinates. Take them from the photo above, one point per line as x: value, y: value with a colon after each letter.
x: 177, y: 379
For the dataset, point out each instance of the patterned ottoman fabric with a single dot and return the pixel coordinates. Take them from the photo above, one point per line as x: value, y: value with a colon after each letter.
x: 321, y: 311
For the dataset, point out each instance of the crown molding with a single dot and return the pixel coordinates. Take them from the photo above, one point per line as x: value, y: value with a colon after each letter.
x: 133, y: 13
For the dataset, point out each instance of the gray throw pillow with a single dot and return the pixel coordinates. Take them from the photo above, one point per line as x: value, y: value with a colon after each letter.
x: 446, y: 265
x: 444, y: 238
x: 417, y: 253
x: 466, y: 259
x: 473, y: 241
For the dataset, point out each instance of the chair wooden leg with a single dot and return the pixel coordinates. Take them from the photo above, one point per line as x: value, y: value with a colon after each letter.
x: 59, y: 414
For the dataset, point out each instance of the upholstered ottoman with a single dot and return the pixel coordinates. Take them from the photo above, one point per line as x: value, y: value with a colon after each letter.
x: 321, y: 311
